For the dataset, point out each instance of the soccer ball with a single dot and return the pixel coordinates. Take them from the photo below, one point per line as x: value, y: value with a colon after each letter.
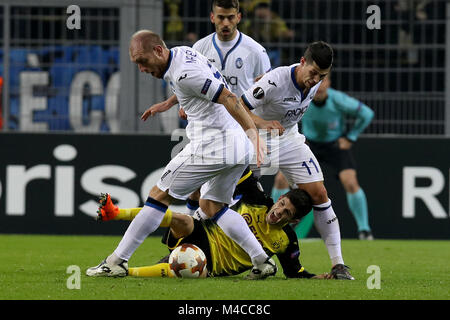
x: 188, y: 261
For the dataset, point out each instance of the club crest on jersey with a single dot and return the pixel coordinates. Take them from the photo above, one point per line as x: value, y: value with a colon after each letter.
x: 239, y: 63
x: 258, y: 93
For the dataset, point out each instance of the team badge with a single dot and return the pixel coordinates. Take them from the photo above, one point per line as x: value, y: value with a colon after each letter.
x: 258, y: 93
x: 239, y: 63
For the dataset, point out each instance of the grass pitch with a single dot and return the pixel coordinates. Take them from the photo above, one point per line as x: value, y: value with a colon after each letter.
x: 35, y: 267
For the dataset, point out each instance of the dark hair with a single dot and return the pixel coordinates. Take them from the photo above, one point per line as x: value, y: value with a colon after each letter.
x: 302, y: 202
x: 226, y: 4
x: 321, y: 53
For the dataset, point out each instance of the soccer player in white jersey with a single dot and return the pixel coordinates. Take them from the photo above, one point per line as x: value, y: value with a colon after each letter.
x: 282, y: 96
x: 239, y: 58
x: 217, y: 155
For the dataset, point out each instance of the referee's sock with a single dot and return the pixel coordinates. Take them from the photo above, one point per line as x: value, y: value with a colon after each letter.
x: 357, y: 203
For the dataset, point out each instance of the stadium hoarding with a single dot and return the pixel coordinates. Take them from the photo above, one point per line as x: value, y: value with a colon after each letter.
x: 49, y: 183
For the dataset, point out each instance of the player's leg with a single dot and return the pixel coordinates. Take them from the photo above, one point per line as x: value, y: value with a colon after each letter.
x: 357, y: 202
x: 300, y: 166
x: 149, y: 217
x: 146, y: 222
x: 219, y: 191
x: 192, y: 202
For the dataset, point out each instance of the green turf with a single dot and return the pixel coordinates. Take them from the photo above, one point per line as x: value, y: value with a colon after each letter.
x: 35, y: 267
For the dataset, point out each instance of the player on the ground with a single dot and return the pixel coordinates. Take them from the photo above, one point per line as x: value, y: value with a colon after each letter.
x: 217, y: 155
x: 324, y: 126
x: 283, y: 96
x: 239, y: 58
x: 269, y: 222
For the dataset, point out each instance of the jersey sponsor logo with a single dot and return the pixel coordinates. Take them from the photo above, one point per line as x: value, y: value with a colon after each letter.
x: 239, y: 63
x: 212, y: 60
x: 293, y: 99
x: 294, y: 112
x: 206, y: 86
x: 232, y: 80
x: 258, y: 93
x: 272, y: 83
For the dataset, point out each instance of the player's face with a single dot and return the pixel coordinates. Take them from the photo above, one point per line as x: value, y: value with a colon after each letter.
x: 148, y: 62
x: 225, y: 21
x: 310, y: 74
x: 281, y: 212
x: 321, y: 94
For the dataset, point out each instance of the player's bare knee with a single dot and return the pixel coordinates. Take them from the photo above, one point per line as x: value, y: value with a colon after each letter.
x: 210, y: 207
x: 159, y: 195
x: 181, y: 225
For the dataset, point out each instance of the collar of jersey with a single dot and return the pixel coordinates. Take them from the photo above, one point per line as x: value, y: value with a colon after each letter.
x: 294, y: 81
x: 222, y: 59
x: 168, y: 64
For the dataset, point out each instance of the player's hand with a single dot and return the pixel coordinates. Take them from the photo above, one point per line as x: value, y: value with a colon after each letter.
x: 272, y: 125
x: 182, y: 114
x: 154, y: 109
x: 259, y: 145
x: 344, y: 143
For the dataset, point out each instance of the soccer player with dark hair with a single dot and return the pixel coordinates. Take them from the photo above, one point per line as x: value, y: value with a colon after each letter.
x: 268, y: 221
x: 277, y: 103
x: 324, y: 126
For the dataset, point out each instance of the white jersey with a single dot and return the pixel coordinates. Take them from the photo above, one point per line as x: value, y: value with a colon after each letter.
x: 277, y: 96
x: 197, y: 84
x: 245, y: 61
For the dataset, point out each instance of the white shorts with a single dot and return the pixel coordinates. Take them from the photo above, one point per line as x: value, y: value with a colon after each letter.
x: 217, y: 181
x: 294, y: 159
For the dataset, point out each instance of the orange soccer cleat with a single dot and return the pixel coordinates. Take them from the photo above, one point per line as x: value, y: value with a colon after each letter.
x: 107, y: 210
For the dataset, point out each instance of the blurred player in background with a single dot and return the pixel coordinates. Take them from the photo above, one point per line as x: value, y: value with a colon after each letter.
x: 276, y: 103
x: 238, y: 57
x: 324, y: 126
x: 222, y: 138
x: 269, y: 221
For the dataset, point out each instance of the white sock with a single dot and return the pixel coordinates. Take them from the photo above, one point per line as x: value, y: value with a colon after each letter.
x: 237, y: 229
x: 145, y: 222
x: 327, y: 225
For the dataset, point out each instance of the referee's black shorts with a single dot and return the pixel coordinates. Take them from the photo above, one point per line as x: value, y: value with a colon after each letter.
x: 330, y: 154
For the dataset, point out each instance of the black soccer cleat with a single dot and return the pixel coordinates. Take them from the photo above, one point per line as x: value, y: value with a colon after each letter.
x: 341, y: 272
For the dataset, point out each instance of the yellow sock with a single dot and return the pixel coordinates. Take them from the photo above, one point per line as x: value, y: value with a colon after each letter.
x: 127, y: 214
x: 130, y: 213
x: 160, y: 270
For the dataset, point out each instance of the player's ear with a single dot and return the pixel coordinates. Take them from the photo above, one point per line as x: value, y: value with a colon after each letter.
x: 211, y: 17
x: 302, y: 61
x: 239, y: 17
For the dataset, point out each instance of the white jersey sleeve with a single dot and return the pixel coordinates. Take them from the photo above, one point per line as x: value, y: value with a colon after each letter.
x: 200, y: 82
x: 261, y: 92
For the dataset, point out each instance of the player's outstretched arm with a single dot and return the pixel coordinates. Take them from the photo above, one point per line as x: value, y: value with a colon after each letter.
x: 238, y: 112
x: 263, y: 124
x: 159, y: 107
